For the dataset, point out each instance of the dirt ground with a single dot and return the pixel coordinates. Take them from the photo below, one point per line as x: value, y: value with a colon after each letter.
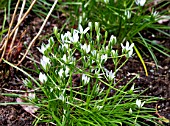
x: 157, y: 83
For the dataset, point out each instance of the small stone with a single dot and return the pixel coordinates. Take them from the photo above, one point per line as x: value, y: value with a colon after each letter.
x: 165, y: 67
x: 151, y: 71
x: 152, y: 77
x: 168, y: 115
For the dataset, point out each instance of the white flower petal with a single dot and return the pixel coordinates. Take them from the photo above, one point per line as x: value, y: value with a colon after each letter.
x: 86, y: 30
x: 139, y: 103
x: 127, y: 45
x: 64, y: 58
x: 44, y: 61
x: 128, y: 50
x: 109, y: 74
x: 86, y: 48
x: 94, y: 52
x: 44, y: 47
x: 112, y: 39
x: 60, y: 73
x: 85, y: 79
x: 140, y: 2
x: 81, y: 31
x: 128, y: 14
x: 67, y: 71
x: 80, y: 28
x: 130, y: 111
x: 104, y: 58
x: 42, y: 78
x: 75, y: 37
x: 122, y: 46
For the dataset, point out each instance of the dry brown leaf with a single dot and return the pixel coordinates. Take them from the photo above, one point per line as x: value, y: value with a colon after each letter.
x: 164, y: 18
x: 29, y: 107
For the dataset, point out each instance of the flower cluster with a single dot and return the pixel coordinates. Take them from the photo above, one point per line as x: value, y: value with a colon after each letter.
x: 128, y: 49
x: 74, y: 43
x: 68, y: 38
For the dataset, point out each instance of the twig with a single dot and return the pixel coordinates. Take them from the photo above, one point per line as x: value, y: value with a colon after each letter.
x: 19, y: 18
x: 32, y: 42
x: 149, y: 63
x: 17, y: 25
x: 30, y: 58
x: 8, y: 34
x: 18, y: 91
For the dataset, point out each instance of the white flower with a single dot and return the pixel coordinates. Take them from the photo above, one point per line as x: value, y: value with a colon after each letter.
x: 68, y: 38
x: 45, y: 61
x: 107, y: 48
x: 65, y: 38
x: 75, y: 37
x: 128, y: 14
x: 64, y: 46
x: 110, y: 74
x: 43, y: 47
x: 130, y: 111
x: 85, y: 79
x: 67, y: 70
x: 94, y: 52
x: 68, y: 59
x: 155, y: 13
x: 60, y: 73
x: 114, y: 53
x: 99, y: 107
x: 98, y: 37
x: 140, y: 2
x: 61, y: 97
x: 97, y: 73
x: 72, y: 60
x: 63, y: 72
x: 42, y: 78
x: 86, y: 48
x: 64, y: 58
x: 132, y: 88
x: 31, y: 96
x: 26, y: 82
x: 112, y: 40
x: 103, y: 58
x: 139, y: 103
x: 90, y: 25
x: 127, y: 47
x: 128, y: 50
x: 81, y: 31
x: 96, y: 24
x: 106, y: 1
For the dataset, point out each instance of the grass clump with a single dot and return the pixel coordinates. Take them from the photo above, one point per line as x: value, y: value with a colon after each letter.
x: 75, y: 87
